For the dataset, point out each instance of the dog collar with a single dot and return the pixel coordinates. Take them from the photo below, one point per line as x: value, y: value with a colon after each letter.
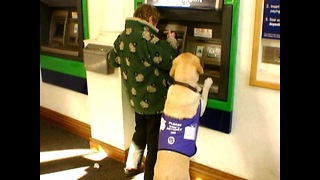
x: 185, y: 85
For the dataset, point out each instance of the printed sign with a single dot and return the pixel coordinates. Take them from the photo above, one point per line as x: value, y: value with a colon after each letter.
x: 271, y: 19
x: 202, y: 32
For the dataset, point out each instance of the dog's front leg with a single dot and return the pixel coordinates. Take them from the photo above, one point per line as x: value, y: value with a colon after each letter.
x: 205, y: 92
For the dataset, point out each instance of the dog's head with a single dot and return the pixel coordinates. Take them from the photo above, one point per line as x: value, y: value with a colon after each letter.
x: 186, y: 68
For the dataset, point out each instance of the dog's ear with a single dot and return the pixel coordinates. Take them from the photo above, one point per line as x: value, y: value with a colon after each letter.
x: 173, y: 68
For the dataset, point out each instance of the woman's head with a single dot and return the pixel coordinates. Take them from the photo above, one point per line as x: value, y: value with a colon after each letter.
x: 148, y: 13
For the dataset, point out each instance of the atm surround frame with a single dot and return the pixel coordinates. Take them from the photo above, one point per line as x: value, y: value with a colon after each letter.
x: 218, y: 114
x: 232, y: 30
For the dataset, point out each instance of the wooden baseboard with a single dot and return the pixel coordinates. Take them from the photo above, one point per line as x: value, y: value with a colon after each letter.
x: 112, y: 151
x: 197, y: 171
x: 74, y: 126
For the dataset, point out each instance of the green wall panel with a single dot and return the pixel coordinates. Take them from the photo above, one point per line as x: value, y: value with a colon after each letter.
x: 61, y: 65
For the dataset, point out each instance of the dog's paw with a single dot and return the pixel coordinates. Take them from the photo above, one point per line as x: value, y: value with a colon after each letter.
x: 198, y: 88
x: 208, y: 82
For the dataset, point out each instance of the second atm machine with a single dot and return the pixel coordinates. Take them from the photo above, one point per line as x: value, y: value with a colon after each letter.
x: 208, y: 29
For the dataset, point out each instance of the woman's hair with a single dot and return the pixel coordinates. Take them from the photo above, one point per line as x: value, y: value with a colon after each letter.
x: 144, y: 11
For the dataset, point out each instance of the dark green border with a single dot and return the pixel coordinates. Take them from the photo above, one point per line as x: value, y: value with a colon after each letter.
x: 136, y: 3
x: 85, y: 19
x: 222, y: 105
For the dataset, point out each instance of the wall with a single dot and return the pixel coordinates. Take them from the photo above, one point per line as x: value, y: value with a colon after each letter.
x: 111, y: 114
x: 251, y: 150
x: 67, y: 102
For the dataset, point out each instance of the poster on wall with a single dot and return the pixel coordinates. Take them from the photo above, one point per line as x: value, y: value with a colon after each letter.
x: 265, y: 66
x: 271, y: 19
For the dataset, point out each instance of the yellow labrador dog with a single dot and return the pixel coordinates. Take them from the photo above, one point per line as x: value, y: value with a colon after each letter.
x: 179, y: 123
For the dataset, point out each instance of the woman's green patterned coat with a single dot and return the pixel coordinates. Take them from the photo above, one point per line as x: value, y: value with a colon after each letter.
x: 145, y: 62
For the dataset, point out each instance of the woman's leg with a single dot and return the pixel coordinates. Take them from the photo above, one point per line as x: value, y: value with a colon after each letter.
x: 138, y: 143
x: 153, y: 126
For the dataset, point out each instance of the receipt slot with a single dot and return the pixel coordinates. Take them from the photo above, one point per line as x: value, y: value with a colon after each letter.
x: 208, y: 29
x: 95, y: 58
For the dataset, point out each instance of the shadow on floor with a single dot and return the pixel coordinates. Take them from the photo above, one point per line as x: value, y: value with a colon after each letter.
x: 64, y: 156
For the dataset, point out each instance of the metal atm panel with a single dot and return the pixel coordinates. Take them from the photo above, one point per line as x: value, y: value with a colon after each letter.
x: 202, y: 36
x: 205, y: 28
x: 209, y: 53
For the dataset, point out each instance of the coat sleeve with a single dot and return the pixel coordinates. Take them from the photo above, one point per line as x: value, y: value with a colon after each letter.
x: 162, y: 52
x: 113, y: 58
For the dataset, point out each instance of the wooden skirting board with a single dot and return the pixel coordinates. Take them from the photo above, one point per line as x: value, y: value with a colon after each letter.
x: 197, y: 171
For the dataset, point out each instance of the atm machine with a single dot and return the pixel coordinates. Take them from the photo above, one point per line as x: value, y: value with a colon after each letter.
x: 61, y: 29
x: 63, y: 26
x: 208, y: 29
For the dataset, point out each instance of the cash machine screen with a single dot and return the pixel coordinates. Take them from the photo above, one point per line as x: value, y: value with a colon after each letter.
x: 180, y: 31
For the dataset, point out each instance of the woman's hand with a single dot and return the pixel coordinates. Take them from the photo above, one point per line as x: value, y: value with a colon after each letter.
x: 170, y: 34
